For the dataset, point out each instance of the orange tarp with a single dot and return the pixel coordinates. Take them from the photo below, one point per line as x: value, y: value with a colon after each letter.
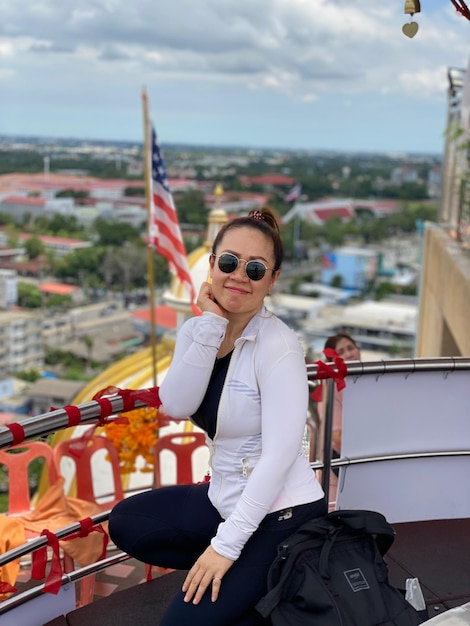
x: 53, y: 511
x: 12, y: 535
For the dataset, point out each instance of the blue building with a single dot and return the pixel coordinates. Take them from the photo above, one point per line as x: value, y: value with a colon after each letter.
x: 355, y: 266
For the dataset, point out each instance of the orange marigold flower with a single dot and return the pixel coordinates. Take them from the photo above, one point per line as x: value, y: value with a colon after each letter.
x: 136, y: 438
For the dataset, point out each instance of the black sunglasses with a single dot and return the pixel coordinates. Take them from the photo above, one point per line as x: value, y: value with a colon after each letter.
x: 228, y: 263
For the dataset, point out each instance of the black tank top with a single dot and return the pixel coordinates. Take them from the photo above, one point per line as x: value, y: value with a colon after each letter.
x: 206, y: 415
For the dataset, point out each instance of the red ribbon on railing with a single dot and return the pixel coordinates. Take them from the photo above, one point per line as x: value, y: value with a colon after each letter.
x: 39, y: 561
x: 39, y: 557
x: 106, y: 409
x: 86, y: 527
x: 6, y: 588
x: 149, y: 396
x: 327, y: 371
x: 74, y: 415
x: 17, y: 431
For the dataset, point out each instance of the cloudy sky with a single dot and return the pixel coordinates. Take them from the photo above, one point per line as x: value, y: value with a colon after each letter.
x: 314, y: 74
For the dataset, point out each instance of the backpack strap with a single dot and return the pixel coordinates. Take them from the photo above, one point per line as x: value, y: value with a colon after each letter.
x: 267, y: 604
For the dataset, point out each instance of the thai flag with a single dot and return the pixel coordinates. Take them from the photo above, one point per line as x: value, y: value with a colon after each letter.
x: 293, y: 194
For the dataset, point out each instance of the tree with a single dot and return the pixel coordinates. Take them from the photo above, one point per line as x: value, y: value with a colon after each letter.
x: 337, y: 281
x: 190, y: 207
x: 88, y: 342
x: 334, y: 231
x: 134, y: 191
x: 12, y: 235
x: 131, y: 262
x: 29, y: 296
x: 113, y: 233
x: 79, y: 264
x: 34, y: 247
x: 73, y: 193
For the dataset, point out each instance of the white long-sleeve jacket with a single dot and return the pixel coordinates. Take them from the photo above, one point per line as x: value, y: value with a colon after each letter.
x: 257, y: 462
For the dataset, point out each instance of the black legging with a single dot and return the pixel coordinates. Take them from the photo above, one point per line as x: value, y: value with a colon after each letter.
x: 172, y: 526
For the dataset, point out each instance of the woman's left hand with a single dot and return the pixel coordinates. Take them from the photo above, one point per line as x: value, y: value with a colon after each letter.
x: 208, y: 570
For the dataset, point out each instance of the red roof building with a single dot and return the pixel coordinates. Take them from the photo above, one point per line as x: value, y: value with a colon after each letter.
x: 165, y: 317
x: 267, y: 180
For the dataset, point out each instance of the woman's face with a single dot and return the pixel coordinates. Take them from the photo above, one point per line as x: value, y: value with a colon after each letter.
x: 235, y: 292
x: 348, y: 350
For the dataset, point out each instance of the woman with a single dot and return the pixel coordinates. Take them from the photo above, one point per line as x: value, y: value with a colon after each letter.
x: 347, y: 349
x: 240, y: 374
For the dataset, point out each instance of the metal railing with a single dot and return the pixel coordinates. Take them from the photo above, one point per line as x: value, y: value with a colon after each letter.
x: 91, y: 412
x: 446, y: 365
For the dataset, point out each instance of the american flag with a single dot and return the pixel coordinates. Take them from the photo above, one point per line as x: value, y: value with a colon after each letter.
x: 164, y: 231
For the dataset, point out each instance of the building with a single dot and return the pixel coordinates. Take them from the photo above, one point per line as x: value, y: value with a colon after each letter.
x: 22, y: 208
x: 51, y: 392
x: 344, y: 209
x: 21, y: 342
x: 379, y: 328
x: 8, y: 288
x: 444, y: 308
x: 353, y: 268
x: 60, y: 246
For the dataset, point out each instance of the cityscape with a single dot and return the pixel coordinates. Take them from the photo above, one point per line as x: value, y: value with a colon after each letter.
x: 352, y: 228
x: 351, y: 122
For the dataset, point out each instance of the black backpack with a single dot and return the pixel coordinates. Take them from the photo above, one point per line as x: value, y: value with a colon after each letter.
x: 330, y: 572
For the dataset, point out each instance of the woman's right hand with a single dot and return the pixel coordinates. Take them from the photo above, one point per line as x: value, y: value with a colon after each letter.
x: 207, y: 302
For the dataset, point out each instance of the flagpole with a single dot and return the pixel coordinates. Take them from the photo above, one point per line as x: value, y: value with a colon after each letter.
x: 150, y: 252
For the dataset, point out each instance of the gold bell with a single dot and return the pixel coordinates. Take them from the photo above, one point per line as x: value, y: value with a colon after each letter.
x: 412, y: 7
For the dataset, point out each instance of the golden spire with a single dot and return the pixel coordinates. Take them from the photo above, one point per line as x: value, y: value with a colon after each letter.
x: 217, y: 217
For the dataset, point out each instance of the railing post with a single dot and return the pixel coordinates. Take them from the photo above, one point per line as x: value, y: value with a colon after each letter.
x: 327, y: 436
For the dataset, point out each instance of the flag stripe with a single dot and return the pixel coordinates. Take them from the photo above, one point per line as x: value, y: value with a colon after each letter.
x: 164, y: 230
x: 168, y: 227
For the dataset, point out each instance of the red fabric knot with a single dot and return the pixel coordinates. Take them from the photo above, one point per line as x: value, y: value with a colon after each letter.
x: 6, y: 587
x: 17, y: 431
x: 106, y: 393
x: 149, y: 396
x: 74, y: 415
x: 87, y: 526
x: 125, y: 394
x: 324, y: 371
x: 106, y: 408
x: 127, y: 399
x: 39, y: 561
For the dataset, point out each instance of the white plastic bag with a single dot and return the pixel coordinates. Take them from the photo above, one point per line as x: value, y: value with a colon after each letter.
x: 414, y: 595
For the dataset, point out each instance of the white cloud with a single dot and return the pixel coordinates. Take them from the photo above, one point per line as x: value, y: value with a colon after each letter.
x: 305, y: 51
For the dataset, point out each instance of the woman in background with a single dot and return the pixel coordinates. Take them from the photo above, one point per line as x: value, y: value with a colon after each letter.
x: 346, y: 348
